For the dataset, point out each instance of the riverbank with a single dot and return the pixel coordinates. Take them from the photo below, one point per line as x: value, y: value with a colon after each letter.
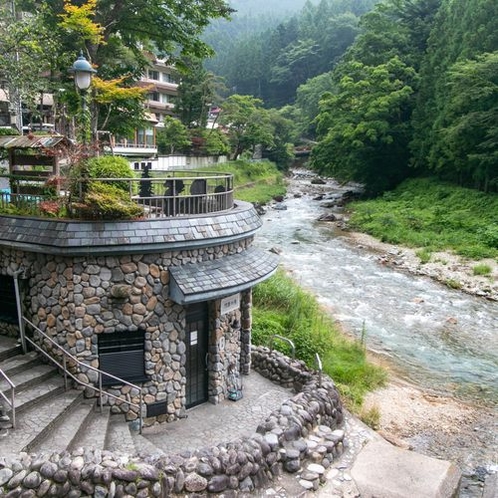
x: 444, y: 266
x: 413, y: 416
x: 422, y: 420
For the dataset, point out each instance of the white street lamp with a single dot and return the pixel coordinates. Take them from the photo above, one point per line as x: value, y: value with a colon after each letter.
x: 83, y: 72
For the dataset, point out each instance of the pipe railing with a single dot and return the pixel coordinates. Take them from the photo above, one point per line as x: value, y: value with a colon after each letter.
x: 85, y: 367
x: 320, y: 368
x: 285, y: 339
x: 12, y: 401
x: 174, y: 193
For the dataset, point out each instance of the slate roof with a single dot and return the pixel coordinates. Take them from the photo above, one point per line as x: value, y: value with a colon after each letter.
x: 208, y: 280
x: 70, y: 237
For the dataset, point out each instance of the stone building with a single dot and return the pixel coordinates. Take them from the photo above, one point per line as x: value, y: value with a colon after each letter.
x: 162, y: 302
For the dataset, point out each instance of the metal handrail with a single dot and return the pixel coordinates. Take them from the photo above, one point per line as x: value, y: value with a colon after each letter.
x: 66, y: 355
x: 320, y: 369
x: 12, y: 401
x: 286, y: 339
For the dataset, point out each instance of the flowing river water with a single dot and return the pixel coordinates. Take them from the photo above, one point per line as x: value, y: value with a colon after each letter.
x: 436, y: 337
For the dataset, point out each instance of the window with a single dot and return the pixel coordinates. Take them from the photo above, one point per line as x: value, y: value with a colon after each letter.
x: 153, y: 75
x: 155, y: 96
x: 122, y: 355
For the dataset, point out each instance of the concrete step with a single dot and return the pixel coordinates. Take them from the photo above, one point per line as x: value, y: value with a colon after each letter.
x: 32, y: 394
x: 66, y: 428
x: 8, y: 347
x: 92, y: 432
x: 35, y: 423
x: 18, y: 363
x: 29, y: 377
x: 119, y: 438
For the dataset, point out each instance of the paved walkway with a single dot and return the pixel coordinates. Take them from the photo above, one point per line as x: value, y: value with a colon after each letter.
x: 208, y: 424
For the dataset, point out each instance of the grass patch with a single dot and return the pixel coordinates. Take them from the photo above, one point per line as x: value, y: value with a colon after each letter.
x: 424, y: 255
x: 481, y: 269
x: 371, y: 417
x: 282, y: 307
x: 433, y: 215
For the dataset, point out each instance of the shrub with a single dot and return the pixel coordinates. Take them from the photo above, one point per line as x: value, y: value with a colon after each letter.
x: 424, y: 255
x: 481, y: 269
x: 106, y: 202
x: 111, y: 167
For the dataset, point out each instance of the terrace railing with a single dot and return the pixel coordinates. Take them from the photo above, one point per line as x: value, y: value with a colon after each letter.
x: 172, y: 193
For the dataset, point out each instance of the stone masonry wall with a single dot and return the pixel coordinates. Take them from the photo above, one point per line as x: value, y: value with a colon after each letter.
x: 74, y: 300
x: 244, y: 465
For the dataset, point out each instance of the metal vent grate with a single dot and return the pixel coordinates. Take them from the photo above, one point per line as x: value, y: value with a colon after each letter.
x: 158, y: 408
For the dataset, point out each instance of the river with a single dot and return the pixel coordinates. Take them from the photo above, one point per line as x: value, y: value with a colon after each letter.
x: 436, y: 337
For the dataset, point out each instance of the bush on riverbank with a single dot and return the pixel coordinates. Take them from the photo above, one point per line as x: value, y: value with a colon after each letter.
x: 255, y: 181
x: 281, y: 307
x: 432, y: 215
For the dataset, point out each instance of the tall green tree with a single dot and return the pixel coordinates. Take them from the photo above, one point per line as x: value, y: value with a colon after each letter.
x: 463, y: 32
x: 248, y: 124
x: 199, y: 89
x: 363, y: 128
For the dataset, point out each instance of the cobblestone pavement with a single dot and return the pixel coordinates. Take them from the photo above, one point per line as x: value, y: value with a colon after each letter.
x: 208, y: 425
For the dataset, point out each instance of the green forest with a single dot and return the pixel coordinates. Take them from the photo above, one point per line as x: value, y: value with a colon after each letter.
x: 383, y: 90
x: 379, y: 91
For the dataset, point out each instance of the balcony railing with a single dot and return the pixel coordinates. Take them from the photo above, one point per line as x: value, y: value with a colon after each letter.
x: 174, y: 194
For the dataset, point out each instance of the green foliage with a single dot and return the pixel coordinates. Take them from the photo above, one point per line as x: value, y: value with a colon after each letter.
x: 432, y: 215
x: 270, y: 62
x: 248, y: 124
x: 456, y: 114
x: 283, y: 308
x: 106, y: 202
x: 7, y: 131
x: 173, y: 137
x: 111, y: 167
x: 424, y: 255
x: 363, y: 128
x: 481, y: 269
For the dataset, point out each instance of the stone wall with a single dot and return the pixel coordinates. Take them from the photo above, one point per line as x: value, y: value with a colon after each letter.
x: 75, y: 299
x: 278, y: 445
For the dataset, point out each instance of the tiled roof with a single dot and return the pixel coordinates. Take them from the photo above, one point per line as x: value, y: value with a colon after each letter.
x: 69, y: 237
x: 208, y: 280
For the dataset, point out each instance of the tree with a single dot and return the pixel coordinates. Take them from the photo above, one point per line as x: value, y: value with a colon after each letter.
x: 281, y: 151
x: 364, y: 128
x: 198, y: 90
x: 114, y: 34
x: 26, y: 52
x: 468, y: 148
x: 248, y: 124
x: 173, y: 137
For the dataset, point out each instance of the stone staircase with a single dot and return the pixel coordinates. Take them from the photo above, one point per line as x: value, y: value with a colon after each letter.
x: 51, y: 419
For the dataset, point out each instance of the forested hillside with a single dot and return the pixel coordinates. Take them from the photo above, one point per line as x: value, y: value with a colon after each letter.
x: 273, y: 63
x: 388, y: 90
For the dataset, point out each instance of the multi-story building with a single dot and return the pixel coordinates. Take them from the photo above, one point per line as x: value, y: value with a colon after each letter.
x: 162, y: 81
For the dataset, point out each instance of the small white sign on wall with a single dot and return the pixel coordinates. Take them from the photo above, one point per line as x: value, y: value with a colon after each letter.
x: 230, y: 303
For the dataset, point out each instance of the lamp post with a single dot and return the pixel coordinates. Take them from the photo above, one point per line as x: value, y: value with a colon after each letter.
x: 83, y: 72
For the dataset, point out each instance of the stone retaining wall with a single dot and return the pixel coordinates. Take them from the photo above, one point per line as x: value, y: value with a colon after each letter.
x: 244, y: 465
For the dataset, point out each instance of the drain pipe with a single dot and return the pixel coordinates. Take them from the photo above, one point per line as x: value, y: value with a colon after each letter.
x: 19, y: 309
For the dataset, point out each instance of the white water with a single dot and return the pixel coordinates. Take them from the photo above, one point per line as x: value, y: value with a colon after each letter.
x: 438, y: 337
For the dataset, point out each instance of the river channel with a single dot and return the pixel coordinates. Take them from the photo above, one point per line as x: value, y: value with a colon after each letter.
x: 438, y: 337
x: 435, y: 337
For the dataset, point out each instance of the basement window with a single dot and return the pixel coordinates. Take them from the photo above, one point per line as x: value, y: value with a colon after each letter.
x: 122, y: 355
